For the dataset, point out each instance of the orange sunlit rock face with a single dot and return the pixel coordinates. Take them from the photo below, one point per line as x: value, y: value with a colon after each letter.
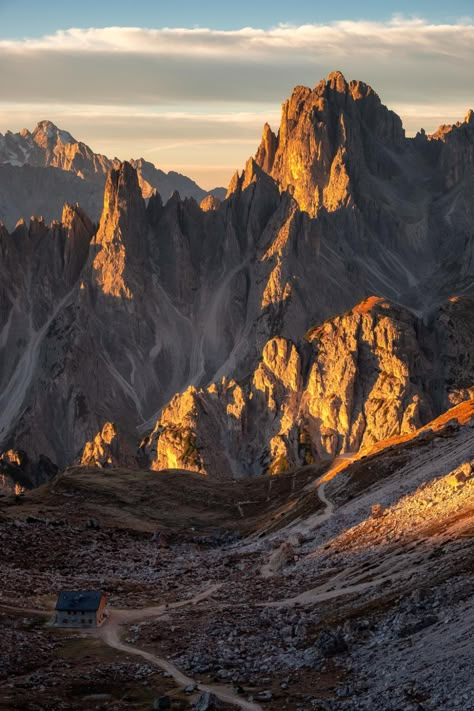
x: 324, y: 306
x: 318, y: 150
x: 120, y: 233
x: 12, y: 457
x: 108, y: 449
x: 357, y: 388
x: 210, y: 202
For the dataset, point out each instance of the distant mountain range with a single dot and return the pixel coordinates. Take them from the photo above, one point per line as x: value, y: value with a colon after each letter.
x: 42, y: 170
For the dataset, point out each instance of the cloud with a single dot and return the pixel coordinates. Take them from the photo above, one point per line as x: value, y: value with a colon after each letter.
x: 318, y: 39
x: 159, y: 65
x: 148, y: 89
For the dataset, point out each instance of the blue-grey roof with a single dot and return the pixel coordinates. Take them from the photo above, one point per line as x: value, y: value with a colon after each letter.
x: 79, y: 600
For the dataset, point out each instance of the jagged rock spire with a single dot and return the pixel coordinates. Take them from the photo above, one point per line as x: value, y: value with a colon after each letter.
x: 122, y: 231
x: 327, y: 135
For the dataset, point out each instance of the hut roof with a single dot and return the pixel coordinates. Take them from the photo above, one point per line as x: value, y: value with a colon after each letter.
x: 79, y: 600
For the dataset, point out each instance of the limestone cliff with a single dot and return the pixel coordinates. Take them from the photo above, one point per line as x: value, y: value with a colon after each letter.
x: 326, y: 139
x: 228, y: 339
x: 122, y: 231
x: 355, y: 380
x: 456, y: 151
x: 108, y: 449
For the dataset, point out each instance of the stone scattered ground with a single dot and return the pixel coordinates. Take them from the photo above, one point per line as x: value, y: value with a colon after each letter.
x: 44, y: 668
x: 367, y: 607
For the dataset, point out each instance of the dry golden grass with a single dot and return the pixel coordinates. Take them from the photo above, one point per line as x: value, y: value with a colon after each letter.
x: 147, y: 501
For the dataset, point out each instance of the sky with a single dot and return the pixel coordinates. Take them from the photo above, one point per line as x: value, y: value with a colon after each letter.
x: 188, y: 85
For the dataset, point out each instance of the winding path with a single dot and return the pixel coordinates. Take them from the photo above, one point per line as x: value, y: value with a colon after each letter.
x: 313, y: 521
x: 354, y: 580
x: 110, y: 634
x: 401, y: 564
x: 319, y: 517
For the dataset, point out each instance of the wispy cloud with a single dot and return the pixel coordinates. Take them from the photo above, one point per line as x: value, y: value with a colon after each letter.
x: 318, y: 39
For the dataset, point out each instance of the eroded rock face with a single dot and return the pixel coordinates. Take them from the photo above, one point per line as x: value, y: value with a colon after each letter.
x: 18, y: 472
x: 40, y: 284
x: 326, y: 139
x: 121, y: 237
x: 366, y: 382
x: 108, y: 449
x: 28, y: 190
x: 120, y: 329
x: 357, y: 379
x: 215, y: 336
x: 452, y: 347
x: 210, y: 202
x: 455, y: 149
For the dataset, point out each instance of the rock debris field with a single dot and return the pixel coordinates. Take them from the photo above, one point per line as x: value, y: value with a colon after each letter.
x: 368, y: 607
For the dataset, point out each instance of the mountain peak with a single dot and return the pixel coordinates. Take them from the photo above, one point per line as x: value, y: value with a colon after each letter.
x: 46, y: 125
x: 47, y: 132
x: 122, y: 200
x: 121, y: 232
x: 327, y: 137
x: 337, y: 82
x: 267, y: 149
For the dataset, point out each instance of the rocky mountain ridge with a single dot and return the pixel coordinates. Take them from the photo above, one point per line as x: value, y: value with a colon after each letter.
x: 357, y: 379
x: 185, y: 326
x: 28, y: 186
x: 328, y: 137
